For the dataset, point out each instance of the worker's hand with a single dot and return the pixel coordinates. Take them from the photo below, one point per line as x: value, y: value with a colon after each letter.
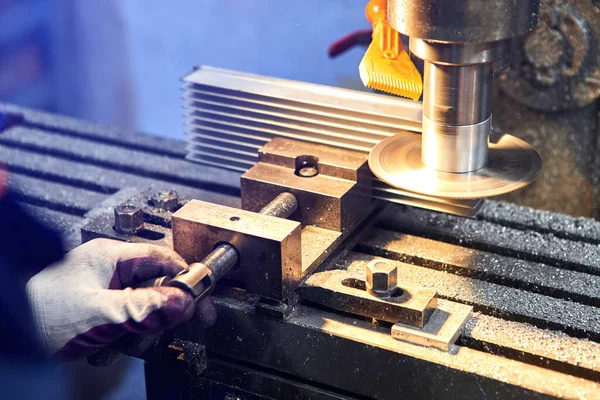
x: 86, y: 301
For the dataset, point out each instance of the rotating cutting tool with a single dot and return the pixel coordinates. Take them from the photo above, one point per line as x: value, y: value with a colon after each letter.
x: 512, y: 164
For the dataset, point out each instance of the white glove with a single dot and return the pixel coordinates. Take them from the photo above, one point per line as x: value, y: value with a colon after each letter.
x: 85, y: 302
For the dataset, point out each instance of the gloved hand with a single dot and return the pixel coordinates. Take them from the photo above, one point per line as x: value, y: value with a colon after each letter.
x: 85, y: 302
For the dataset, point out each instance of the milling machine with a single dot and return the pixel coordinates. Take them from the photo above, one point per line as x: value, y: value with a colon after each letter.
x: 453, y: 157
x: 343, y: 285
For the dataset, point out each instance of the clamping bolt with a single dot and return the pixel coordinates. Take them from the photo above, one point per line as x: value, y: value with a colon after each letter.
x: 129, y: 219
x: 382, y: 278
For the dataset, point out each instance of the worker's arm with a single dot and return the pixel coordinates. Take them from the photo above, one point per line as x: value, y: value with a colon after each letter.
x: 86, y: 301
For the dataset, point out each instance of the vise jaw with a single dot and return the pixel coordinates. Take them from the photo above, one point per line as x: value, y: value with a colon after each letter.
x: 333, y: 190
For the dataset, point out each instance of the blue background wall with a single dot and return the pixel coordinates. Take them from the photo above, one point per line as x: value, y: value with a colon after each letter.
x: 119, y: 62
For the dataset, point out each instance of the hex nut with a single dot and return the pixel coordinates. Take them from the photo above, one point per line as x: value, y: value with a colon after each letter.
x: 129, y: 219
x: 167, y: 200
x: 381, y: 278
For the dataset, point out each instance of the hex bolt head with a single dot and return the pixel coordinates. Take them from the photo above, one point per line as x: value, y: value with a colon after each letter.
x: 381, y: 278
x: 129, y: 219
x: 167, y: 200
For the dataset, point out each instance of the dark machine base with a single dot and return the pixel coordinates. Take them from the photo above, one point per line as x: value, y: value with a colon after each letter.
x: 532, y: 277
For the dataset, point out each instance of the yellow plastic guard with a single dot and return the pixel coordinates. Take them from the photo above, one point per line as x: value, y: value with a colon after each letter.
x: 386, y: 66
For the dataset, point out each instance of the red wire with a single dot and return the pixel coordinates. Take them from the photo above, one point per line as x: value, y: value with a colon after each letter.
x: 340, y: 46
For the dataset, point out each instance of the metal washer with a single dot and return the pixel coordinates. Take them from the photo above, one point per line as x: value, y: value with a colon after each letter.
x: 512, y: 165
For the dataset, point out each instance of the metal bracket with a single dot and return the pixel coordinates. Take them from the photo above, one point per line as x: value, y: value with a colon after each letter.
x: 419, y: 317
x: 346, y: 291
x: 441, y: 330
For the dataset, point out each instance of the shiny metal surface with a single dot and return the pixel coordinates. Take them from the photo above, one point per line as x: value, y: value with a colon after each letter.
x: 457, y: 95
x: 231, y: 114
x: 463, y: 21
x: 197, y: 280
x: 459, y: 41
x: 512, y: 165
x: 459, y: 53
x: 457, y: 116
x: 458, y: 149
x: 234, y: 107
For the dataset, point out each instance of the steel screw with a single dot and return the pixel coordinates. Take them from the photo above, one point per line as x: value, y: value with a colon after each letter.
x: 382, y: 278
x: 129, y: 219
x: 167, y: 200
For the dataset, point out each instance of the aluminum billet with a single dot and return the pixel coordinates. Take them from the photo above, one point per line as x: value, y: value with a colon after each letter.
x: 232, y: 114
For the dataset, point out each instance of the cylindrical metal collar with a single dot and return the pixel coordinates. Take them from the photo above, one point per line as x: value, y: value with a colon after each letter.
x: 465, y: 21
x: 455, y: 95
x: 456, y: 149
